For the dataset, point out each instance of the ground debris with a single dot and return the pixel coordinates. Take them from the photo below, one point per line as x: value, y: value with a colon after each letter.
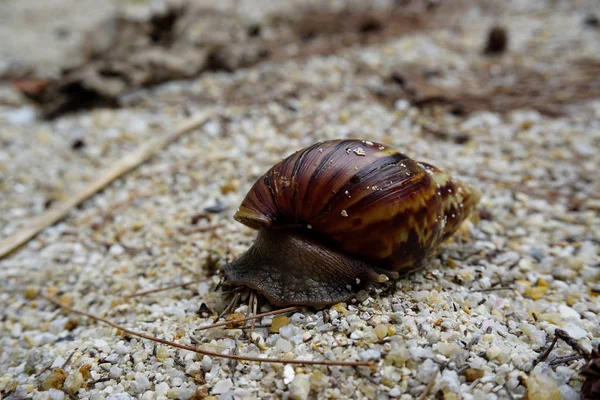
x: 547, y: 92
x: 182, y: 41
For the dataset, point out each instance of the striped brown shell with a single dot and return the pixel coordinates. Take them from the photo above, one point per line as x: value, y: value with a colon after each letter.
x: 365, y: 199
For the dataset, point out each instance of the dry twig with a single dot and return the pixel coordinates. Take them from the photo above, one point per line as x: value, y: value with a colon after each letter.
x: 126, y: 164
x: 198, y: 350
x: 252, y: 317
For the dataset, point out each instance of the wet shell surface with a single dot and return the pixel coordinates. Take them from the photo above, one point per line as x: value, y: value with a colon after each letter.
x: 364, y: 200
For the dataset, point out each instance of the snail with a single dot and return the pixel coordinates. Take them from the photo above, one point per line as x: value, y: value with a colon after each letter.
x: 339, y: 214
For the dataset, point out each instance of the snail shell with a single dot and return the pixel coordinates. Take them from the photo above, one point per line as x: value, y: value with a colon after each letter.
x: 340, y: 213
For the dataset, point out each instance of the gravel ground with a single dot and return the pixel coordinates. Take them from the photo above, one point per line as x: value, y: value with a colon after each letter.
x: 469, y: 326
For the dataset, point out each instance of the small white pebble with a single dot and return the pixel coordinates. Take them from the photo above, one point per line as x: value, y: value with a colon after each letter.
x: 74, y: 381
x: 161, y: 389
x: 288, y: 374
x: 568, y: 313
x: 116, y: 250
x: 370, y: 354
x: 568, y: 393
x: 300, y: 387
x: 206, y: 363
x: 115, y: 372
x: 574, y: 331
x: 287, y: 331
x: 493, y: 352
x: 58, y: 362
x: 141, y: 383
x: 56, y: 394
x: 119, y: 396
x: 223, y: 386
x: 283, y: 345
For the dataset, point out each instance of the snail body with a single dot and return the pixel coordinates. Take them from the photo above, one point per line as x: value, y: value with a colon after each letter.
x: 341, y: 213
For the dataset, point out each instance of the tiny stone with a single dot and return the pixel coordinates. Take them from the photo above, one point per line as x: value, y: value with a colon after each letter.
x: 472, y: 374
x: 161, y: 389
x: 568, y: 393
x: 362, y: 296
x: 119, y: 396
x: 574, y: 331
x: 300, y: 387
x: 370, y: 391
x: 58, y: 362
x: 31, y: 292
x: 44, y: 338
x: 542, y: 387
x: 121, y: 349
x: 278, y: 322
x: 450, y: 384
x: 493, y: 352
x: 370, y: 354
x: 55, y: 380
x: 162, y: 353
x: 388, y: 382
x: 288, y: 374
x: 56, y: 394
x: 78, y: 144
x: 116, y: 250
x: 536, y: 292
x: 223, y: 386
x: 552, y: 317
x: 141, y: 383
x: 85, y: 371
x: 318, y: 380
x: 74, y: 381
x: 381, y: 331
x: 206, y: 363
x: 392, y: 374
x: 357, y: 335
x: 115, y: 372
x: 497, y: 41
x: 283, y: 345
x: 25, y: 115
x: 447, y: 349
x: 234, y: 318
x: 149, y: 395
x: 567, y: 312
x: 176, y: 381
x: 287, y: 331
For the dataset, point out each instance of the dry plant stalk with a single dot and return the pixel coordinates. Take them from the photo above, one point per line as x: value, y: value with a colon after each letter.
x: 252, y: 317
x: 207, y: 352
x: 126, y: 164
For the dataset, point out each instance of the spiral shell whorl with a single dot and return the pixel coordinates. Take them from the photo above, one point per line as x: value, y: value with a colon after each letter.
x: 365, y: 199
